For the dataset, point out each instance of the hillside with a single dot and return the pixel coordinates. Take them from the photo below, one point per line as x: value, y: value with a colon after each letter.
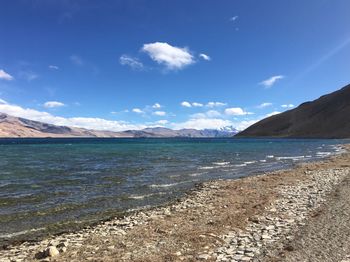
x: 326, y: 117
x: 11, y: 126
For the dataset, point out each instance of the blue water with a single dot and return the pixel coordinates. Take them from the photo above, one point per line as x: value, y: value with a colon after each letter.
x: 50, y: 185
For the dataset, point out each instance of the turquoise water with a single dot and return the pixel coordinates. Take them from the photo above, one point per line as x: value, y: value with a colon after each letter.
x: 50, y: 185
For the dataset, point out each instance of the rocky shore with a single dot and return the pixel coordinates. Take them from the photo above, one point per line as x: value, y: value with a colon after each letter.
x: 257, y: 218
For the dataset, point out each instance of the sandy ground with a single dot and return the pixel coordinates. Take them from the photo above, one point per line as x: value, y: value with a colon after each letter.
x: 195, y: 227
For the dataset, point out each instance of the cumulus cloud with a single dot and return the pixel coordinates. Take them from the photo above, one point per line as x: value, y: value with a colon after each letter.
x: 271, y: 81
x: 162, y: 122
x: 186, y: 104
x: 159, y: 113
x: 5, y: 76
x: 138, y: 111
x: 287, y: 106
x: 208, y: 114
x: 195, y: 104
x: 236, y: 111
x: 174, y: 58
x: 241, y: 125
x: 156, y: 106
x: 52, y: 104
x: 132, y: 62
x: 273, y: 113
x: 263, y: 105
x: 205, y: 57
x: 83, y: 122
x: 215, y: 104
x: 53, y: 67
x: 202, y: 123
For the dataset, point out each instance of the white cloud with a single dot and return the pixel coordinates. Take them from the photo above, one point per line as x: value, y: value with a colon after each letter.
x: 186, y: 104
x: 205, y: 57
x: 215, y: 104
x: 5, y: 76
x: 202, y: 123
x: 235, y: 111
x: 263, y: 105
x: 133, y: 62
x: 287, y: 106
x: 2, y: 101
x: 159, y: 113
x: 53, y: 67
x: 273, y: 113
x: 271, y: 81
x: 195, y: 104
x: 208, y: 114
x: 137, y: 111
x: 162, y: 122
x: 83, y: 122
x: 234, y: 18
x: 52, y: 104
x: 156, y: 106
x: 171, y: 56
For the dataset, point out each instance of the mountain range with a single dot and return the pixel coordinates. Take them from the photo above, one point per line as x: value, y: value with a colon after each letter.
x: 325, y: 117
x: 11, y: 126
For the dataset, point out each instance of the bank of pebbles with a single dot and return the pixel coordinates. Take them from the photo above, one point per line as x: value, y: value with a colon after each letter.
x: 268, y: 234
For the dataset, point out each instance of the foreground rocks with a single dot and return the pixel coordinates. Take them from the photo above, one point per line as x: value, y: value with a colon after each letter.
x: 272, y: 231
x: 249, y: 219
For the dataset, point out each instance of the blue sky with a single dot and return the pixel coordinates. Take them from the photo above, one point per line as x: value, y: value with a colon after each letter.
x: 181, y: 64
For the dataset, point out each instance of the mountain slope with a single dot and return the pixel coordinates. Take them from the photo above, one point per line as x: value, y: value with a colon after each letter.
x: 11, y: 126
x: 326, y: 117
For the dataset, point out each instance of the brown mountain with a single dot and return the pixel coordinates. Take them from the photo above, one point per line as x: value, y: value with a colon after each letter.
x: 325, y: 117
x: 11, y: 126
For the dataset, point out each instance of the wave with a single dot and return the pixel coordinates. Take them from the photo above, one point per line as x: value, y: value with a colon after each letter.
x: 166, y: 185
x: 138, y: 197
x: 221, y: 163
x: 240, y: 165
x: 197, y: 174
x: 10, y: 235
x: 270, y: 156
x: 323, y: 153
x: 206, y: 167
x: 290, y: 157
x: 249, y: 162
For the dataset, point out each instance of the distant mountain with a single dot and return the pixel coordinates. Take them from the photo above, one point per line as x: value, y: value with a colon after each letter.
x: 11, y: 126
x: 326, y: 117
x: 166, y: 132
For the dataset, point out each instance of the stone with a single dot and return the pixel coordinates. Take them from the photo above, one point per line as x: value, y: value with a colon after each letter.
x: 203, y: 257
x: 51, y: 251
x: 62, y: 244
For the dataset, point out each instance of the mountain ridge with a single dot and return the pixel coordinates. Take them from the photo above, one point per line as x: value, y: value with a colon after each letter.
x: 325, y: 117
x: 12, y: 127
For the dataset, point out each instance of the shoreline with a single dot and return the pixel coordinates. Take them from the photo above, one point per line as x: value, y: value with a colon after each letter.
x: 194, y: 227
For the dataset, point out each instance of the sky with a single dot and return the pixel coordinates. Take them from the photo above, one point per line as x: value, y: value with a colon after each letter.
x: 118, y: 65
